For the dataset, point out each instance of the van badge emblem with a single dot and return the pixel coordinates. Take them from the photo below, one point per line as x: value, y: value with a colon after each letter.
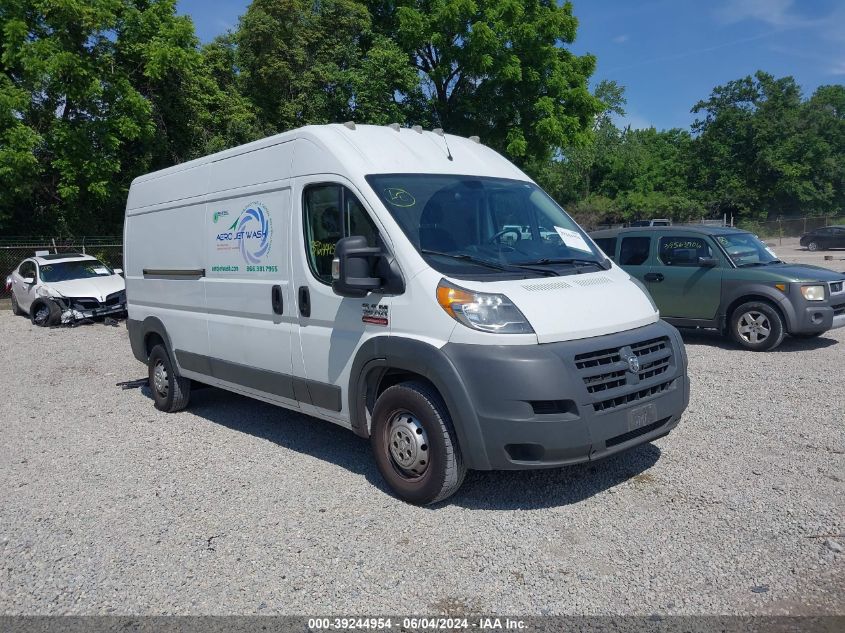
x: 633, y: 363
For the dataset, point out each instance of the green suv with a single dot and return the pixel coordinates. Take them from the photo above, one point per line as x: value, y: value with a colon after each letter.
x: 727, y: 279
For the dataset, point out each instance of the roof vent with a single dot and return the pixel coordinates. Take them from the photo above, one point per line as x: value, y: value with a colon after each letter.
x: 438, y: 131
x: 475, y: 139
x: 394, y: 127
x: 417, y: 129
x: 349, y: 125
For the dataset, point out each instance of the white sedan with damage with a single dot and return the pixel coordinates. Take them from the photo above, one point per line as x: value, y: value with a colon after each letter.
x: 65, y: 288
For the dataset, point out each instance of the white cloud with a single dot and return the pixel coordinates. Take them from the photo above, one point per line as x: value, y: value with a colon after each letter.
x: 621, y: 39
x: 772, y: 12
x: 838, y: 68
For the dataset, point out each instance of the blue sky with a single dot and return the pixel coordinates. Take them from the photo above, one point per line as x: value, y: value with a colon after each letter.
x: 671, y: 53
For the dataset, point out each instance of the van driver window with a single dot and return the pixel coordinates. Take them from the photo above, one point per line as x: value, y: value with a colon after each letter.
x: 332, y: 212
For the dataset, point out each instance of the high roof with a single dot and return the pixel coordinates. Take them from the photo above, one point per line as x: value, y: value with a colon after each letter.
x: 377, y: 149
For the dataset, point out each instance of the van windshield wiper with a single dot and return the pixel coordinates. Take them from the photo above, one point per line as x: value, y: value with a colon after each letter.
x: 570, y: 260
x: 490, y: 264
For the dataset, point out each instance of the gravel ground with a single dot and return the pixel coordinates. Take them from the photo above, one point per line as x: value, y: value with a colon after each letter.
x: 234, y: 506
x: 790, y: 250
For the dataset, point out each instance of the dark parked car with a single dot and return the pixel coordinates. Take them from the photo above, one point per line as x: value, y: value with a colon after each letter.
x: 727, y: 279
x: 824, y: 238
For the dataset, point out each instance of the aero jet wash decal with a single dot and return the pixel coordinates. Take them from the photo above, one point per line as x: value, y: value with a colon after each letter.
x: 250, y: 235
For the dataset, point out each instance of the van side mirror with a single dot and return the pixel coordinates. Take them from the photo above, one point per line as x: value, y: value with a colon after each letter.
x: 708, y: 262
x: 118, y: 271
x: 29, y: 280
x: 353, y: 267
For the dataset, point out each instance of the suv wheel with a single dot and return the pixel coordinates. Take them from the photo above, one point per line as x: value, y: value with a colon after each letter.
x: 16, y: 309
x: 171, y: 392
x: 45, y: 313
x: 757, y: 326
x: 813, y: 246
x: 414, y: 444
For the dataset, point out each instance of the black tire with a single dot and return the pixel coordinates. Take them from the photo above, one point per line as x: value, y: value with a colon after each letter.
x: 814, y: 246
x: 16, y: 309
x: 405, y: 409
x: 757, y: 326
x: 45, y: 313
x: 170, y: 391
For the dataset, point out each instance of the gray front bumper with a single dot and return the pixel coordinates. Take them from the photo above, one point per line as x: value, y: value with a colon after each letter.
x: 562, y: 403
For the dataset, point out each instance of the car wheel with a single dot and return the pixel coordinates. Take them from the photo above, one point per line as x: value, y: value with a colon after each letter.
x: 757, y: 326
x: 414, y: 443
x: 16, y: 309
x: 813, y: 246
x: 171, y: 392
x: 45, y: 313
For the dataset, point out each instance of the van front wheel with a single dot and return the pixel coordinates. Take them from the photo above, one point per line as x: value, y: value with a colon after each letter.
x: 414, y: 443
x: 170, y: 391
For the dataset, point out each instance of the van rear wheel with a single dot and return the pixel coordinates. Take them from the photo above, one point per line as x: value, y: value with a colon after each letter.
x: 414, y: 443
x: 171, y: 392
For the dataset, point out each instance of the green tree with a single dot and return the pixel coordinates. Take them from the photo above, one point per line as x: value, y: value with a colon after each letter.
x: 304, y: 62
x: 496, y: 68
x: 764, y: 152
x: 92, y: 93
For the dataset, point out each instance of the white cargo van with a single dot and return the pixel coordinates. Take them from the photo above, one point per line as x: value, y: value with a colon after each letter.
x: 372, y: 276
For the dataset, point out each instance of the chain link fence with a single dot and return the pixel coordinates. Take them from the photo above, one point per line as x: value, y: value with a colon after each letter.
x: 13, y: 250
x: 789, y: 227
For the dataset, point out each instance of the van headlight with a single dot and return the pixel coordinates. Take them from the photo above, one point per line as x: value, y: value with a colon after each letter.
x: 813, y: 293
x: 481, y: 310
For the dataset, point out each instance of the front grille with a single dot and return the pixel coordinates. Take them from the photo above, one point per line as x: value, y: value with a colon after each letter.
x: 628, y: 398
x: 608, y: 375
x: 86, y: 304
x: 835, y: 287
x: 625, y: 437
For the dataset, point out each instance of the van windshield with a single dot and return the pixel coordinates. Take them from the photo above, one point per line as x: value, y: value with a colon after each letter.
x: 471, y: 225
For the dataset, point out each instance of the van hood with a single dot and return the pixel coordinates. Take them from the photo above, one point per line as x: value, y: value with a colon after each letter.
x: 576, y: 306
x: 95, y: 287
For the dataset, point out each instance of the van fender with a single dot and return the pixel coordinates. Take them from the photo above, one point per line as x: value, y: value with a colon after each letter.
x: 733, y: 291
x: 140, y: 330
x: 380, y: 354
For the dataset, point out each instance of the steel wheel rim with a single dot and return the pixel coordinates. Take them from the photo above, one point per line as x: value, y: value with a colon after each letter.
x: 407, y: 445
x: 754, y: 327
x: 813, y: 246
x: 160, y: 379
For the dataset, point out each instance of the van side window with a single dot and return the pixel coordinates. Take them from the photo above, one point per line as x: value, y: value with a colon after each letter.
x: 634, y: 251
x: 683, y: 251
x: 330, y: 213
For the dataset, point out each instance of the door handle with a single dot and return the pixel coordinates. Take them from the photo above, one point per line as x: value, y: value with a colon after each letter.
x: 276, y: 299
x: 654, y: 276
x: 304, y: 301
